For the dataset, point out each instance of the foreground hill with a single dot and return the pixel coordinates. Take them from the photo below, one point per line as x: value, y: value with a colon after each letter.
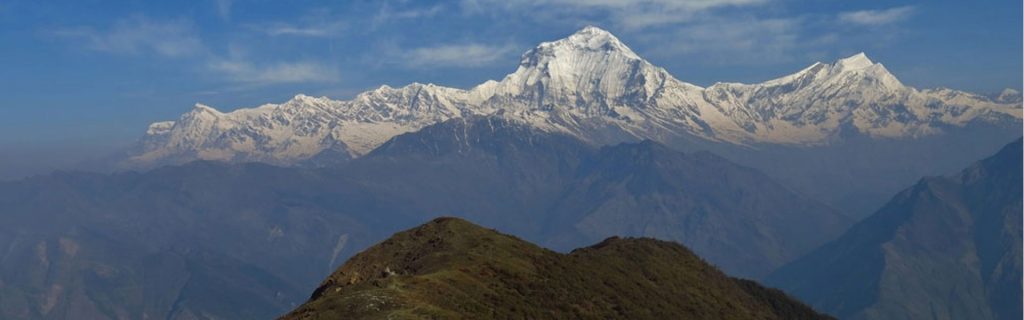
x: 946, y: 248
x: 450, y: 268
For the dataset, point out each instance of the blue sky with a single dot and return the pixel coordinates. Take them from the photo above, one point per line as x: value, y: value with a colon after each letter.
x: 82, y: 78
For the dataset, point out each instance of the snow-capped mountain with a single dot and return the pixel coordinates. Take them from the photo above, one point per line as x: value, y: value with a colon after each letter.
x: 1009, y: 96
x: 594, y: 87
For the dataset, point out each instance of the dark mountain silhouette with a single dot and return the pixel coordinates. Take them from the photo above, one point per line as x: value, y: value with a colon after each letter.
x: 208, y: 239
x: 562, y: 193
x: 203, y: 240
x: 946, y: 248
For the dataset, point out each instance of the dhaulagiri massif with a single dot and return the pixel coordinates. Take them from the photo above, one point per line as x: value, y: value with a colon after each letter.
x: 812, y: 130
x: 592, y: 86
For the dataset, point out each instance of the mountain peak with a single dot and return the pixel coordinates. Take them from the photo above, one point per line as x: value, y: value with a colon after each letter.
x: 868, y: 70
x: 588, y: 39
x: 590, y: 71
x: 592, y: 29
x: 202, y: 108
x: 445, y: 228
x: 1009, y: 96
x: 305, y: 100
x: 450, y: 221
x: 303, y: 97
x: 855, y: 62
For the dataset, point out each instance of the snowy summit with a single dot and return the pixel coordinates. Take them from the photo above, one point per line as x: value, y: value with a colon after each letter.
x: 594, y: 87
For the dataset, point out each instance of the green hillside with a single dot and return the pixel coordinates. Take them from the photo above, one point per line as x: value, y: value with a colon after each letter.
x: 450, y: 268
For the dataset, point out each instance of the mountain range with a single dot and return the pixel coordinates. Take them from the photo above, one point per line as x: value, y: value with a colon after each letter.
x: 948, y: 247
x: 593, y: 87
x: 224, y: 236
x: 241, y: 214
x: 452, y: 269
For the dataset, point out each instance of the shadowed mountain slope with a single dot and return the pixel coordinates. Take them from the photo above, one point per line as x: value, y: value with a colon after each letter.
x: 204, y: 240
x: 561, y: 192
x: 946, y: 248
x: 222, y: 236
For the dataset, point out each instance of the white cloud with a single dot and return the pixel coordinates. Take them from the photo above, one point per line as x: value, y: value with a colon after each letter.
x: 314, y: 24
x: 723, y: 41
x: 454, y: 55
x: 140, y: 34
x: 242, y: 71
x: 618, y: 4
x: 627, y: 14
x: 673, y: 5
x: 877, y: 17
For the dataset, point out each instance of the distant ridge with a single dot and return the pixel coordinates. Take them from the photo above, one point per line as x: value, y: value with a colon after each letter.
x: 945, y: 248
x: 562, y: 193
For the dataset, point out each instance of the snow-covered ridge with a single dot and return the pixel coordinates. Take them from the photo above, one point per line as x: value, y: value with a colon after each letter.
x: 593, y: 86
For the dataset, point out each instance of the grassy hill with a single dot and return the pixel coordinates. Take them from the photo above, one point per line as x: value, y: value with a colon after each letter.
x: 450, y: 268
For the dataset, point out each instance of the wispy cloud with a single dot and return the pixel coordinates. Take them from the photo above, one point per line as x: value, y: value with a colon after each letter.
x: 626, y: 14
x: 720, y: 32
x: 246, y: 72
x: 139, y: 34
x: 388, y: 13
x: 316, y: 31
x: 653, y: 6
x: 179, y: 39
x: 223, y: 8
x: 722, y: 41
x: 618, y: 4
x: 454, y: 55
x: 877, y: 17
x: 314, y: 24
